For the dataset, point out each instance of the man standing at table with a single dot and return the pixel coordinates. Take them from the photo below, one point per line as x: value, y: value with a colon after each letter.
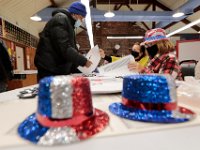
x: 57, y: 53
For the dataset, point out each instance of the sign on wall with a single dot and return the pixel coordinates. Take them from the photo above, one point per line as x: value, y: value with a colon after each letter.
x: 188, y: 50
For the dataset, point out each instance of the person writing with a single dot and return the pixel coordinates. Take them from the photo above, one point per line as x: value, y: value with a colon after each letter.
x: 56, y: 53
x: 160, y: 51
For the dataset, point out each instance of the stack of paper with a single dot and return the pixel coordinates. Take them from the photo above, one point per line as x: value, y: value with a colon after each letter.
x: 117, y: 68
x: 94, y: 56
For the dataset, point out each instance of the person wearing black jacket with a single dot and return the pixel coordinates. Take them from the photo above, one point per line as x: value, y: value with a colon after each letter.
x: 56, y: 52
x: 6, y: 68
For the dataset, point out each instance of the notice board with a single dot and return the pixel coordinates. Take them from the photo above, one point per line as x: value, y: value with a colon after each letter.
x: 188, y: 50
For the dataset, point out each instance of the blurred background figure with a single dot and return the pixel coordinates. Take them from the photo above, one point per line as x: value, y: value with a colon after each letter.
x: 6, y: 69
x: 137, y: 51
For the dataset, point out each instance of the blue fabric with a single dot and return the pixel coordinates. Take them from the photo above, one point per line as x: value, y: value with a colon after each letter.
x: 77, y: 8
x: 44, y: 97
x: 31, y: 129
x: 146, y: 88
x: 151, y: 89
x: 163, y: 116
x: 155, y: 38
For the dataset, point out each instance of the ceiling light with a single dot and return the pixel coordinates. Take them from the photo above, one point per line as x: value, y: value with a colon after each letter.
x: 109, y: 14
x: 184, y: 28
x: 178, y: 14
x: 36, y: 18
x: 124, y: 37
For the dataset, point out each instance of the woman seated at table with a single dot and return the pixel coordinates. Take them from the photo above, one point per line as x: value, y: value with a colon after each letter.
x: 161, y: 54
x: 138, y: 52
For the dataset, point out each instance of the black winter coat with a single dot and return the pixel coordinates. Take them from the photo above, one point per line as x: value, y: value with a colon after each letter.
x: 56, y: 53
x: 6, y: 68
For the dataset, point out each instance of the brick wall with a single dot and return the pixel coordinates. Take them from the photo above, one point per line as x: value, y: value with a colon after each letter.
x: 104, y: 29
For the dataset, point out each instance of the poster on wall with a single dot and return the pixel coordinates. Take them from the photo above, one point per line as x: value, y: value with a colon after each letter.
x: 1, y: 31
x: 188, y: 50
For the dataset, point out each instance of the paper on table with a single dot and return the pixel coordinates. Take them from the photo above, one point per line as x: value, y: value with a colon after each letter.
x: 103, y: 85
x: 94, y: 56
x: 117, y: 68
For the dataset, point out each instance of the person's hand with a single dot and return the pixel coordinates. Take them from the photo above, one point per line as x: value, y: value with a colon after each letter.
x: 88, y: 63
x: 102, y: 53
x: 135, y: 66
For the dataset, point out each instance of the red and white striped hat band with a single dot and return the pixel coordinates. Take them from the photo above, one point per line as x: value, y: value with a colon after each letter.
x: 154, y: 35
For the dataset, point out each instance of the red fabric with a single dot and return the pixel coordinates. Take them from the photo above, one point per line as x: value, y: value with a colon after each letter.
x: 164, y: 64
x: 48, y: 122
x: 155, y: 32
x: 149, y: 106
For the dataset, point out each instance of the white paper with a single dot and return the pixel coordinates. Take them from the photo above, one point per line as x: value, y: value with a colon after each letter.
x: 94, y: 56
x: 103, y: 85
x: 117, y: 68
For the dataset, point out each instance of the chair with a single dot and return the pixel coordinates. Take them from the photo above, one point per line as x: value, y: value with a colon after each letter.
x: 197, y: 71
x: 188, y: 67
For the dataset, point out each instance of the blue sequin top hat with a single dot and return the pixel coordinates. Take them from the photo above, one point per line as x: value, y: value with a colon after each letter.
x: 154, y: 35
x: 77, y: 8
x: 65, y: 113
x: 150, y: 98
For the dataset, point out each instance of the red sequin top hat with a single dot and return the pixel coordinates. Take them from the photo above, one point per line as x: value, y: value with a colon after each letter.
x: 154, y: 35
x: 65, y: 113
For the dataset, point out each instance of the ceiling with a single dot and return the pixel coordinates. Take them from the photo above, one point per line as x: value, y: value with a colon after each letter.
x: 19, y: 12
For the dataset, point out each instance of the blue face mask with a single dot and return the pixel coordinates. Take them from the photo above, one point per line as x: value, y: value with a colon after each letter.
x: 78, y: 23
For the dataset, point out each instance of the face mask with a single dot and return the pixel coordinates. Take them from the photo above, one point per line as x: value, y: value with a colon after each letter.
x: 142, y: 48
x: 135, y: 54
x: 78, y: 23
x: 152, y: 51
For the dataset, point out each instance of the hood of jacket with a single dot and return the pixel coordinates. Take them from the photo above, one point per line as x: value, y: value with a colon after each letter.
x: 64, y: 11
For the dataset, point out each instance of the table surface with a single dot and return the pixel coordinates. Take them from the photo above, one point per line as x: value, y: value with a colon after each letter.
x: 25, y: 71
x: 183, y: 137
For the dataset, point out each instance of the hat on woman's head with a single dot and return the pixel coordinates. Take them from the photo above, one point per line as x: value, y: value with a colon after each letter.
x: 154, y: 35
x: 150, y: 98
x: 65, y: 113
x: 77, y: 8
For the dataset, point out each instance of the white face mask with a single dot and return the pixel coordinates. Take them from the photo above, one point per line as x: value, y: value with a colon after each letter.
x: 78, y: 23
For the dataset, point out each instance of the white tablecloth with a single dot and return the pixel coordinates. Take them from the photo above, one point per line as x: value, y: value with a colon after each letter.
x: 120, y: 134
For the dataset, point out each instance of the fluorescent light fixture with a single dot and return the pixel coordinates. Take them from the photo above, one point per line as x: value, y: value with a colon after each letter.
x: 184, y: 28
x: 199, y: 32
x: 178, y: 14
x: 88, y: 22
x: 124, y: 37
x: 109, y: 14
x: 36, y: 18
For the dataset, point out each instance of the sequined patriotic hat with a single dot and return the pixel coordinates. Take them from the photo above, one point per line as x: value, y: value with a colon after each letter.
x: 150, y: 98
x: 154, y: 35
x: 65, y: 113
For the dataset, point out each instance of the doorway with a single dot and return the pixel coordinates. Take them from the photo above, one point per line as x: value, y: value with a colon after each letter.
x: 20, y: 58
